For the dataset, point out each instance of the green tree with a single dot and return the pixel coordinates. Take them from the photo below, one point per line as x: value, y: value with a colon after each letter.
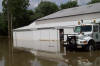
x: 68, y: 5
x: 45, y: 8
x: 3, y: 25
x: 30, y: 14
x: 18, y: 10
x: 94, y: 1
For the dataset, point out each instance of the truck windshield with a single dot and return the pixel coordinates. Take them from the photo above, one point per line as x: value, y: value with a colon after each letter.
x: 86, y: 28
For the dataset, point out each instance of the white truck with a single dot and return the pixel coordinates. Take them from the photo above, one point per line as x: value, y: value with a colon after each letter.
x: 85, y: 36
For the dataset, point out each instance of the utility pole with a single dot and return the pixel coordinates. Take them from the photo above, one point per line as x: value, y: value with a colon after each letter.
x: 10, y: 33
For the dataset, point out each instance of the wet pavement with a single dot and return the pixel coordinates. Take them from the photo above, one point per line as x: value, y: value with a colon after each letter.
x: 25, y: 58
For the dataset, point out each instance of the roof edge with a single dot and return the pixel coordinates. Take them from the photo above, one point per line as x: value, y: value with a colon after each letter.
x: 68, y: 16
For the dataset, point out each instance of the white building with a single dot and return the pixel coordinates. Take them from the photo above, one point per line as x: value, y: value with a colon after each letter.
x: 44, y: 33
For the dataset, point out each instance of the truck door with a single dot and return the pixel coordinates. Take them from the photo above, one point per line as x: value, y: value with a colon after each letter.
x: 96, y: 36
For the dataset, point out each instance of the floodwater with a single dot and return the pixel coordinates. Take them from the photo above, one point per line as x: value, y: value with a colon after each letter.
x: 25, y: 58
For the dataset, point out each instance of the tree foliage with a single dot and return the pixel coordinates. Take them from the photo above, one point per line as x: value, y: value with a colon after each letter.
x: 3, y: 25
x: 45, y: 8
x: 94, y: 1
x: 69, y: 5
x: 18, y: 10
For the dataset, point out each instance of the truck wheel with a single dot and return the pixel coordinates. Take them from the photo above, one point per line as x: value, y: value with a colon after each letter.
x: 91, y: 46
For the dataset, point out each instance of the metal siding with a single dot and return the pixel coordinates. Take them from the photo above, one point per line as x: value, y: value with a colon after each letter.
x: 44, y: 40
x: 23, y: 39
x: 36, y: 35
x: 69, y: 30
x: 69, y: 19
x: 44, y: 34
x: 48, y: 40
x: 75, y: 11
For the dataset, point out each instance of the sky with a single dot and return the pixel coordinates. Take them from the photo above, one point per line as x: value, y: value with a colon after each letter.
x: 34, y: 3
x: 0, y: 5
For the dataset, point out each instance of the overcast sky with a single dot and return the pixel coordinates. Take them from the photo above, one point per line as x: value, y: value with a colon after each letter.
x: 34, y: 3
x: 0, y: 5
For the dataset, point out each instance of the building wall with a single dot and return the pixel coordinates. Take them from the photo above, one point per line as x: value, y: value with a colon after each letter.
x: 43, y: 40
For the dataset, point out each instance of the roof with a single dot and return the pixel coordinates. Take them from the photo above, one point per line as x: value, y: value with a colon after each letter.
x: 92, y: 8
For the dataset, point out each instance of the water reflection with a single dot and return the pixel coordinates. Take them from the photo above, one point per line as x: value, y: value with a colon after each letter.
x: 4, y: 52
x: 2, y: 62
x: 62, y: 64
x: 84, y: 58
x: 25, y: 58
x: 97, y: 61
x: 72, y: 59
x: 35, y: 63
x: 22, y: 58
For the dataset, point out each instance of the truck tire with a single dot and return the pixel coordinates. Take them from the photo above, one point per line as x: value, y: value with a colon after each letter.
x: 91, y: 46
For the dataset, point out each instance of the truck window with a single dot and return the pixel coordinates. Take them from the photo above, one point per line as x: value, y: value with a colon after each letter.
x: 85, y: 28
x: 95, y: 28
x: 78, y: 29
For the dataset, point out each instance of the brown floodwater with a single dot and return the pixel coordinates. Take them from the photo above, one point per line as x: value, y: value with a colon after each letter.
x: 25, y: 58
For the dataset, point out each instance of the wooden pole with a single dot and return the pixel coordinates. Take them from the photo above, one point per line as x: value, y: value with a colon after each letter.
x: 10, y: 34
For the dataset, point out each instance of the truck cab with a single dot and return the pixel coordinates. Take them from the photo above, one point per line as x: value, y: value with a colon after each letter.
x: 85, y: 36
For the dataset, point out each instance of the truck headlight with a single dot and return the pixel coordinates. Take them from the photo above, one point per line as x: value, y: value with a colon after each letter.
x: 84, y: 42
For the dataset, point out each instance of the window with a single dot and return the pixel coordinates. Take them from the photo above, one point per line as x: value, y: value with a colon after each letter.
x: 86, y: 28
x: 78, y: 29
x: 95, y: 28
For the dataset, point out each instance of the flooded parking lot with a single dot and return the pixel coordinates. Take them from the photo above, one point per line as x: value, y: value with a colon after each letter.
x: 25, y: 58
